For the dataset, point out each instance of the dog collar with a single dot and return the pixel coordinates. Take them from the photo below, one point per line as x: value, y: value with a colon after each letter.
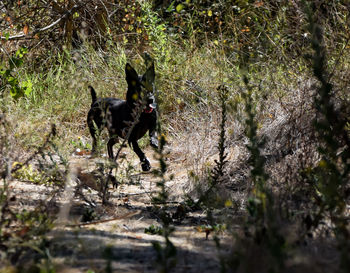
x: 148, y: 110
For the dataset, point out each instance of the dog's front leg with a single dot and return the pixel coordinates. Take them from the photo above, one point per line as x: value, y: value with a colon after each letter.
x: 145, y: 165
x: 153, y: 139
x: 153, y: 133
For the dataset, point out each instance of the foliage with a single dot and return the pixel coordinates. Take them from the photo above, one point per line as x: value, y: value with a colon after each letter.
x: 216, y: 175
x: 261, y: 225
x: 80, y: 144
x: 10, y: 79
x: 155, y: 30
x: 330, y: 177
x: 260, y: 203
x: 22, y: 232
x: 166, y: 255
x: 288, y: 177
x: 218, y: 170
x: 27, y: 173
x: 153, y: 230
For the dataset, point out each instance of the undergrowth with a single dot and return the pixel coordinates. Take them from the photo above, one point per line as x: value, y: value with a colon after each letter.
x: 331, y: 175
x: 269, y: 153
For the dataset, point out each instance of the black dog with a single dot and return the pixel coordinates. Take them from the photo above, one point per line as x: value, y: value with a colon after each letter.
x: 119, y: 115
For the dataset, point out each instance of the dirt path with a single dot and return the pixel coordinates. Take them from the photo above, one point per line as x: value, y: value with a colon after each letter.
x: 117, y: 238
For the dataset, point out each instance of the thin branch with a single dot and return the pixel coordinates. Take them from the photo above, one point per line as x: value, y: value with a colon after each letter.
x: 31, y: 34
x: 39, y: 151
x: 103, y: 4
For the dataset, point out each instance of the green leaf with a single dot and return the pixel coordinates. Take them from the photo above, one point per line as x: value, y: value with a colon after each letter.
x: 15, y: 62
x: 180, y: 7
x: 12, y: 81
x: 171, y: 7
x: 27, y: 87
x: 16, y: 92
x: 21, y: 52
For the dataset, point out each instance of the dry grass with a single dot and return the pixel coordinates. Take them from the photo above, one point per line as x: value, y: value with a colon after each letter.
x: 190, y: 113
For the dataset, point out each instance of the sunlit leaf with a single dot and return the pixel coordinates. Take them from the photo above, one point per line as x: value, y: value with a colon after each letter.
x: 27, y: 87
x: 26, y: 29
x: 322, y: 164
x: 228, y: 203
x: 180, y: 7
x: 171, y: 7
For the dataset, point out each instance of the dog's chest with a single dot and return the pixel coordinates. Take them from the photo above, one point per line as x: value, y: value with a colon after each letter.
x: 120, y: 120
x: 142, y: 127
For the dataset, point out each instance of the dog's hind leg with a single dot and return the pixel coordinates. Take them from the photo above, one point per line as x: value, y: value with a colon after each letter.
x: 95, y: 124
x: 145, y: 165
x: 94, y: 131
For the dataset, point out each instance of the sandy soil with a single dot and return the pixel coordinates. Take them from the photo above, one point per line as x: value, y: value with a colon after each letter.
x: 116, y: 234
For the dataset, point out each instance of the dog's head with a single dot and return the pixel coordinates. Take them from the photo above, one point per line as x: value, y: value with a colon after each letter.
x: 140, y: 86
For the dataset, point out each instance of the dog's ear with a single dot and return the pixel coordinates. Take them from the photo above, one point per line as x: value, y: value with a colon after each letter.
x: 131, y: 75
x: 148, y: 78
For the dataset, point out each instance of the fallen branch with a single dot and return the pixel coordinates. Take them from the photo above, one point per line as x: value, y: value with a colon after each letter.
x: 127, y: 215
x: 34, y: 32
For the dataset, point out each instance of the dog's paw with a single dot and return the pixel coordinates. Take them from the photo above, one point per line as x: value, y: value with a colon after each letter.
x: 114, y: 181
x: 154, y: 142
x: 145, y: 165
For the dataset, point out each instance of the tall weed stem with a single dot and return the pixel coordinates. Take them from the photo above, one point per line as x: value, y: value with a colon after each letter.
x: 331, y: 176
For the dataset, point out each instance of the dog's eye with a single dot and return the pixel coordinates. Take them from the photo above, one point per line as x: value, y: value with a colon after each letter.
x: 135, y: 96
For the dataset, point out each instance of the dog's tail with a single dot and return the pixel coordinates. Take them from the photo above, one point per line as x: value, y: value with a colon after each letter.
x: 93, y: 93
